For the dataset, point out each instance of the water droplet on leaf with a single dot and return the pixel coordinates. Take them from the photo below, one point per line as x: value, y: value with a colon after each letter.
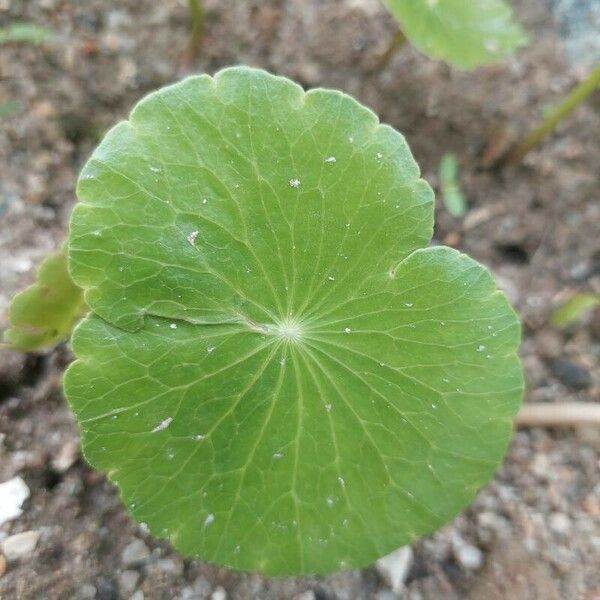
x: 163, y: 424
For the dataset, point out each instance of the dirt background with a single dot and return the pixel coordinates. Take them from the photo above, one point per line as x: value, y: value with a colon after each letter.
x: 534, y: 532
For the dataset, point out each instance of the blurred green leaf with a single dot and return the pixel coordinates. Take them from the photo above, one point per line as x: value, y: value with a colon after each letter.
x: 452, y: 196
x: 9, y: 108
x: 26, y: 33
x: 46, y: 312
x: 574, y: 309
x: 464, y: 33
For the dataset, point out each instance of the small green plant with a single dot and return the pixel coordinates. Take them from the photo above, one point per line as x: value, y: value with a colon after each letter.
x: 464, y: 33
x: 452, y: 196
x: 574, y: 309
x: 45, y: 313
x: 556, y: 115
x: 9, y: 108
x: 26, y: 33
x: 196, y: 35
x: 196, y: 10
x: 275, y: 369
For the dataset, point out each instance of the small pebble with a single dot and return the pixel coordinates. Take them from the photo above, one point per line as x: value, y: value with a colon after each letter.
x: 469, y: 557
x: 308, y: 595
x: 87, y: 591
x: 394, y: 567
x: 128, y: 581
x: 20, y: 545
x: 12, y: 495
x: 135, y: 553
x: 560, y: 523
x: 170, y: 565
x: 570, y: 374
x: 540, y: 465
x: 219, y: 594
x: 386, y: 595
x: 66, y: 457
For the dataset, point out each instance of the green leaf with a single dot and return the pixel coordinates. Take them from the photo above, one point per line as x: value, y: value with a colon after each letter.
x: 45, y: 313
x: 26, y: 33
x: 452, y: 195
x: 278, y: 375
x: 574, y: 308
x: 9, y: 108
x: 464, y: 33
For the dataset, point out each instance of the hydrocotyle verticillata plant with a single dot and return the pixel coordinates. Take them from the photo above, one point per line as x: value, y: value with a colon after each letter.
x: 276, y: 371
x: 464, y: 33
x: 46, y: 312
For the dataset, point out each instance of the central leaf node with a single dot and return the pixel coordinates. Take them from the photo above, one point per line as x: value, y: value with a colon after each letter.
x: 289, y: 330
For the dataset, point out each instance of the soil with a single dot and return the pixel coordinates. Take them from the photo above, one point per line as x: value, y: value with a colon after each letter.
x: 534, y: 532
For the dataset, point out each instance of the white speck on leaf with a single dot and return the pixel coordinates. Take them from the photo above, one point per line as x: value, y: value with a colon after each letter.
x: 192, y: 237
x: 331, y: 159
x: 408, y: 304
x: 341, y: 482
x: 331, y: 278
x: 210, y: 519
x: 480, y: 348
x: 379, y: 156
x: 199, y: 437
x: 163, y: 424
x: 330, y: 501
x: 277, y: 455
x: 173, y: 325
x: 294, y: 183
x: 204, y: 200
x: 351, y: 140
x: 328, y: 407
x: 155, y: 169
x: 210, y: 349
x: 347, y: 330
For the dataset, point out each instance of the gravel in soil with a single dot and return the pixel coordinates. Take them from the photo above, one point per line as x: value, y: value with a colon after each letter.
x: 534, y: 532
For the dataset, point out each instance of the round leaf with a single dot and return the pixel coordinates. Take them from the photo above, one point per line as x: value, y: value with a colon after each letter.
x: 277, y: 374
x: 465, y: 33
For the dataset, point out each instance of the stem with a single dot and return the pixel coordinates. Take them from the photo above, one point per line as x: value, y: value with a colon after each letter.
x: 196, y: 25
x: 397, y: 42
x: 554, y: 117
x: 563, y: 414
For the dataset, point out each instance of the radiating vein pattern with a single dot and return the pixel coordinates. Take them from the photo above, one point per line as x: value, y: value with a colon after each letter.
x: 276, y: 372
